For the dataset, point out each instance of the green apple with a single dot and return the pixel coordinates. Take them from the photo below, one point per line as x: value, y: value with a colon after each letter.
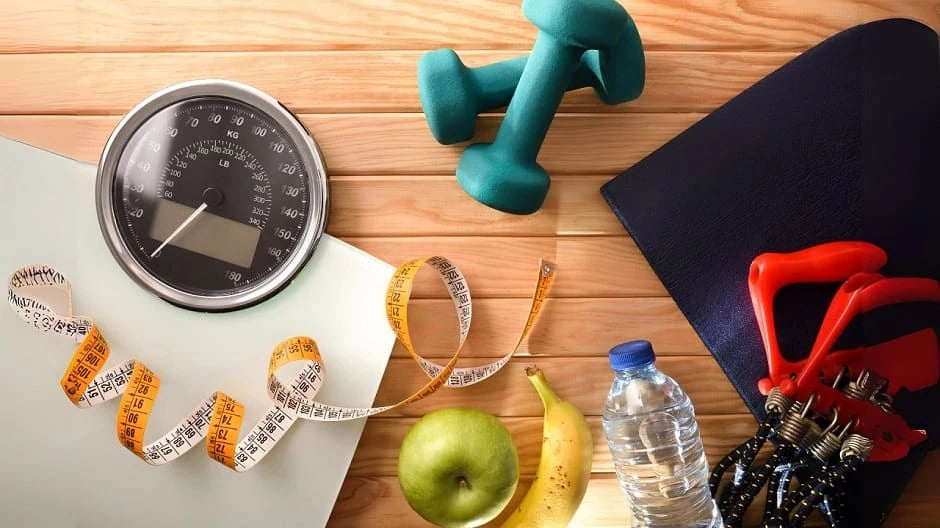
x: 458, y: 467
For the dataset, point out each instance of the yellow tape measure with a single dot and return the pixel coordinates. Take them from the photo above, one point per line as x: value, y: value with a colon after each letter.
x: 219, y: 417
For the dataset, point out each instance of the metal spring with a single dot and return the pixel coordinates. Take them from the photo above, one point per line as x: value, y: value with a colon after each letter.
x: 777, y: 401
x: 867, y: 387
x: 884, y: 401
x: 819, y: 442
x: 853, y: 390
x: 794, y: 425
x: 858, y: 445
x: 813, y: 433
x: 843, y: 372
x: 826, y: 446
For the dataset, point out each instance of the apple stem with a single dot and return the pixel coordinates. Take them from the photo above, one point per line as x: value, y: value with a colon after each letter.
x: 541, y: 386
x: 462, y: 481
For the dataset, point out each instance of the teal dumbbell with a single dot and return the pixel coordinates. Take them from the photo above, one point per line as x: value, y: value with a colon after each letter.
x: 505, y: 174
x: 452, y: 95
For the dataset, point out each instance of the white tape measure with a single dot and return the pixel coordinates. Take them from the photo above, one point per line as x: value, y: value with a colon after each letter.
x: 34, y: 290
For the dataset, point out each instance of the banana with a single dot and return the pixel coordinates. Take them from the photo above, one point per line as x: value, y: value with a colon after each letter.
x: 564, y: 467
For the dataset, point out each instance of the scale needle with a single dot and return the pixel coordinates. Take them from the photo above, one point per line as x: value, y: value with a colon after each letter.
x: 181, y: 227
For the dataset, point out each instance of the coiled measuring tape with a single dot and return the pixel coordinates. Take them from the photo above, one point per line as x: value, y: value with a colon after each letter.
x: 219, y: 417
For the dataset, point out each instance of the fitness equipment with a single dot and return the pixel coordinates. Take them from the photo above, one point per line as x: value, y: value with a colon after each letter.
x: 825, y: 461
x: 48, y: 204
x: 910, y: 361
x: 504, y: 174
x: 452, y: 95
x: 854, y: 387
x: 704, y: 204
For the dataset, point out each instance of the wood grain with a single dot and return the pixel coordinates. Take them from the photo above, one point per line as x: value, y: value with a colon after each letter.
x: 507, y: 266
x: 584, y: 381
x: 917, y: 507
x: 340, y: 82
x: 378, y: 450
x: 566, y: 327
x: 576, y: 145
x: 370, y: 501
x: 135, y: 25
x: 71, y: 68
x: 377, y: 501
x: 388, y: 206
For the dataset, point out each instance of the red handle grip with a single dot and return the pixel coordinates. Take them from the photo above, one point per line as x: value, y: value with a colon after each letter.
x: 829, y: 262
x: 910, y: 361
x: 862, y: 293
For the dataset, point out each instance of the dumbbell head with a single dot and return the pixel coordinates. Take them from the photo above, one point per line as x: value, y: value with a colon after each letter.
x: 448, y: 96
x: 510, y: 185
x: 618, y: 73
x: 588, y: 24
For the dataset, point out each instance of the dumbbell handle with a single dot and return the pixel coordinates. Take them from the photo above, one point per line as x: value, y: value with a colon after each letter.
x: 526, y: 123
x: 495, y: 83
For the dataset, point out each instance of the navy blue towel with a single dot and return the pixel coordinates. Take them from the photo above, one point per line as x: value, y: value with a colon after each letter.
x: 842, y: 143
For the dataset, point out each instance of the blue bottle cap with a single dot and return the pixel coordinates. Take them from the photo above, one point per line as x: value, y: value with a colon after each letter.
x: 632, y: 354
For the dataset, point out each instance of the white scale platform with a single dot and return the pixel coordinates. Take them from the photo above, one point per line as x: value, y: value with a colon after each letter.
x: 63, y: 466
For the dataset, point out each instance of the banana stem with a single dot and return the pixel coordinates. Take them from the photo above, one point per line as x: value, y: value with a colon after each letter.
x: 541, y: 385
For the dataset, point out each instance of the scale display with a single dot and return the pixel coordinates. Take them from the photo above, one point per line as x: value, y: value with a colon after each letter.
x: 212, y: 195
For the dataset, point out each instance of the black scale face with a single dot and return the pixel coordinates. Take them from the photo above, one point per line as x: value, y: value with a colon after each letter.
x: 210, y: 200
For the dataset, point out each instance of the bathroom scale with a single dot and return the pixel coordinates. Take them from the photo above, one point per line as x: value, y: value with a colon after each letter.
x: 196, y: 244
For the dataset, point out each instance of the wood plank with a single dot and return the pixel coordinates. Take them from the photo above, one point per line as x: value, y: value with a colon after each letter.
x: 377, y: 501
x: 507, y: 266
x: 566, y: 327
x: 340, y: 82
x: 389, y: 206
x: 583, y: 381
x: 349, y: 69
x: 377, y: 454
x: 917, y: 507
x: 419, y: 24
x: 371, y: 501
x: 577, y: 145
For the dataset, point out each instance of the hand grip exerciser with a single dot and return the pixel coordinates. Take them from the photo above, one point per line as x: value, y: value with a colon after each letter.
x: 832, y: 412
x: 910, y: 361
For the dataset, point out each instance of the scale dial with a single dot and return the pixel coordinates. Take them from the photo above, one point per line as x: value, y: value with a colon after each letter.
x: 211, y: 195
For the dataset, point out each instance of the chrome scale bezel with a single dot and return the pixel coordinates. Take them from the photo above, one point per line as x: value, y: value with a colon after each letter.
x: 309, y: 154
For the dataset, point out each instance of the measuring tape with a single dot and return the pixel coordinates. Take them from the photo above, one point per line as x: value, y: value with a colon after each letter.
x: 218, y: 419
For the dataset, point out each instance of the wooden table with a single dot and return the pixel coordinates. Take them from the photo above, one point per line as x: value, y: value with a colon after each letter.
x: 70, y: 69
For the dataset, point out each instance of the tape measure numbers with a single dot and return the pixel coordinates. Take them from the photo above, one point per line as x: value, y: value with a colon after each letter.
x: 33, y: 291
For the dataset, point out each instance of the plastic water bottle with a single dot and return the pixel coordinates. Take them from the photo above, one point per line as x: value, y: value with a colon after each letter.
x: 654, y: 440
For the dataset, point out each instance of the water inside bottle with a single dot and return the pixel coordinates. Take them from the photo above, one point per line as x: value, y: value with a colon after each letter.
x: 658, y: 453
x: 659, y: 432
